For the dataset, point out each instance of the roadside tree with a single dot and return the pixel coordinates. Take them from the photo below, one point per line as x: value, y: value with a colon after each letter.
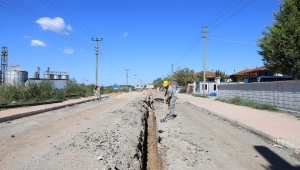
x: 221, y: 74
x: 280, y: 45
x: 184, y: 76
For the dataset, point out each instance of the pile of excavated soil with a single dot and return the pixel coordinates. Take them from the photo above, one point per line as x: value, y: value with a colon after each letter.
x: 118, y: 144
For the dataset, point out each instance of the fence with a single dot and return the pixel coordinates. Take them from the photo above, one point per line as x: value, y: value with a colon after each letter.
x: 284, y: 95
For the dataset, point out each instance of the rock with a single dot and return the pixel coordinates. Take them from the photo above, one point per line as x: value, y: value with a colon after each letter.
x: 12, y: 136
x: 160, y: 131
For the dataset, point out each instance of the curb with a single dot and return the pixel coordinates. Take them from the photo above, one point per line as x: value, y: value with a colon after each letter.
x: 17, y: 116
x: 255, y: 131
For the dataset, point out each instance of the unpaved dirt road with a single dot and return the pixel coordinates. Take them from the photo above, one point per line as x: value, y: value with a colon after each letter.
x: 95, y: 135
x: 196, y: 139
x: 111, y: 135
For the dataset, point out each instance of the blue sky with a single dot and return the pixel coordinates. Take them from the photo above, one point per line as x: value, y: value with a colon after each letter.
x: 144, y: 36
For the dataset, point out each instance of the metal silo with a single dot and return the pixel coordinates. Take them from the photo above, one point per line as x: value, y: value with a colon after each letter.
x: 57, y: 76
x: 15, y: 75
x: 47, y: 74
x: 64, y: 76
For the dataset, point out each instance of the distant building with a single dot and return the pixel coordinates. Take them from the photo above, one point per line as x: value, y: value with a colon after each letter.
x: 241, y: 75
x: 150, y: 86
x: 209, y: 75
x: 116, y: 87
x: 258, y: 74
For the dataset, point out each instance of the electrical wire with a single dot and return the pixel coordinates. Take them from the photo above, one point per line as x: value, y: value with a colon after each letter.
x: 227, y: 51
x: 207, y: 22
x: 91, y: 31
x: 197, y: 37
x: 245, y: 42
x: 28, y: 14
x: 30, y: 19
x: 107, y: 59
x: 232, y: 15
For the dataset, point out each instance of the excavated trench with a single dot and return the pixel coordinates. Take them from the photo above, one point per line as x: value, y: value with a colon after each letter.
x: 151, y: 160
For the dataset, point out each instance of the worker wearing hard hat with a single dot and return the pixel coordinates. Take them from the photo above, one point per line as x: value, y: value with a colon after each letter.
x: 170, y: 98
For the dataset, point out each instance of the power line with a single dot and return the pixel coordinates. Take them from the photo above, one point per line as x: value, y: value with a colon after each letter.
x: 206, y: 23
x: 28, y: 13
x: 245, y: 42
x: 79, y: 26
x: 227, y: 51
x: 197, y: 37
x: 76, y: 18
x: 232, y: 15
x: 226, y: 12
x: 28, y: 18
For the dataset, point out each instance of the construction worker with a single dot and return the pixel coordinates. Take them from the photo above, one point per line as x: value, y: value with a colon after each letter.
x: 170, y: 98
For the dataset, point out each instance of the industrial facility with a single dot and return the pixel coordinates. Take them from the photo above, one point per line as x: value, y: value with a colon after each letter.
x: 59, y: 79
x: 16, y: 75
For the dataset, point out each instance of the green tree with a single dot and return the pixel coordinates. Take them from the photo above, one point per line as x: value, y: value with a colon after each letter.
x: 280, y: 46
x: 199, y: 76
x: 184, y: 76
x: 221, y: 74
x: 158, y: 82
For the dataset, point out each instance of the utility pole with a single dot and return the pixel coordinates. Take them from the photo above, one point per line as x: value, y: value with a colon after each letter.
x: 97, y: 52
x: 141, y: 83
x: 127, y: 78
x: 4, y: 55
x: 204, y: 57
x: 134, y: 80
x: 172, y: 70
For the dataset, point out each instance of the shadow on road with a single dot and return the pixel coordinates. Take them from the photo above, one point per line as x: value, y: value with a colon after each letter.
x: 277, y: 163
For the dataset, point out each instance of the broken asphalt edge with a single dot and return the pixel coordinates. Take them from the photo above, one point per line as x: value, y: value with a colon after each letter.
x: 255, y: 131
x: 21, y: 115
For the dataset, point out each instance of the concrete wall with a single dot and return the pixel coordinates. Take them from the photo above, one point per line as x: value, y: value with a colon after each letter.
x: 284, y: 95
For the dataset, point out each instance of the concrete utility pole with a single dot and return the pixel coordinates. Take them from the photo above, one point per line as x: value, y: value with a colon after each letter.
x: 204, y: 57
x: 4, y: 55
x: 127, y: 78
x: 172, y: 70
x: 97, y: 52
x: 134, y: 80
x: 141, y: 83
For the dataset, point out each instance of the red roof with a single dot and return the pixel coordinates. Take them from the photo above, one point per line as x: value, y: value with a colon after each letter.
x: 259, y: 69
x: 208, y: 74
x: 242, y: 72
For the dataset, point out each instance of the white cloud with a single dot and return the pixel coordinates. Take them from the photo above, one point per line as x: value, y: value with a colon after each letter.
x: 56, y: 25
x: 69, y: 27
x: 125, y: 34
x: 68, y: 51
x: 37, y: 43
x: 27, y: 36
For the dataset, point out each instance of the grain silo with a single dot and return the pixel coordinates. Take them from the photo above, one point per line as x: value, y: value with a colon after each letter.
x: 47, y: 74
x: 56, y: 76
x: 64, y: 76
x: 15, y: 75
